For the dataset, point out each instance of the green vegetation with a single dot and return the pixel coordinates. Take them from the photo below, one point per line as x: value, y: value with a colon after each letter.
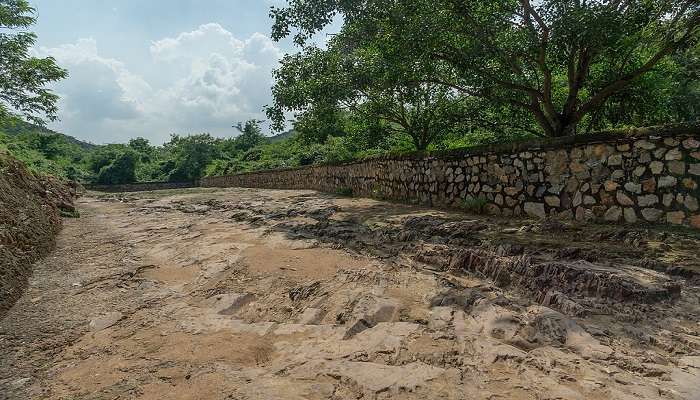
x: 402, y: 75
x: 474, y: 205
x: 344, y: 191
x: 44, y: 151
x: 183, y: 158
x: 436, y: 71
x: 23, y: 77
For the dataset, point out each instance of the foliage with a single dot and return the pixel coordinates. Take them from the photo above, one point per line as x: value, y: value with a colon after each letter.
x: 23, y: 78
x: 251, y: 136
x: 542, y: 67
x: 344, y: 191
x: 122, y: 169
x: 473, y: 205
x: 332, y: 88
x: 44, y: 151
x: 190, y: 155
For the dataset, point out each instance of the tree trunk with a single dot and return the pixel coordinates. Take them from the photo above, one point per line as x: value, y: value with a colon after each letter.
x: 565, y: 126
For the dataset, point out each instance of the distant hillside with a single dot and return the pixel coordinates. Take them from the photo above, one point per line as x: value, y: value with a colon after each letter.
x: 282, y: 136
x: 45, y: 151
x: 14, y: 126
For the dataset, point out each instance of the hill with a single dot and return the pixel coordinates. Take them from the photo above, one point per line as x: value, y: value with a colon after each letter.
x: 45, y: 151
x: 282, y: 136
x: 15, y: 126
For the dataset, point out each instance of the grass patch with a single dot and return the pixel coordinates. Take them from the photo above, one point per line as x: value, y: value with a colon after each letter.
x: 473, y: 204
x: 344, y: 191
x: 378, y: 194
x: 69, y: 213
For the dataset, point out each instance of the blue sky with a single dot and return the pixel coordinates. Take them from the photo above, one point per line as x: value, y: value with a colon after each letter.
x: 150, y: 68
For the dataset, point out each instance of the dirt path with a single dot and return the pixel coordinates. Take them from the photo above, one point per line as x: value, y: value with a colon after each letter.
x: 250, y: 294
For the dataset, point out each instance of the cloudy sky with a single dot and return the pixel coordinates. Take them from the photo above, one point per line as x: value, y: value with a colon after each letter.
x: 150, y: 68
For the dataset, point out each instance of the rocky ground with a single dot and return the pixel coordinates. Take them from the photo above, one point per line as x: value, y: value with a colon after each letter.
x: 269, y: 294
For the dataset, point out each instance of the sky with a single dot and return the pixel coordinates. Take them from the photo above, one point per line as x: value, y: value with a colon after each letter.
x: 150, y: 68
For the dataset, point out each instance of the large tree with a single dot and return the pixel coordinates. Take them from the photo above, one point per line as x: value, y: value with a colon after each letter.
x: 558, y: 61
x: 319, y: 84
x: 23, y: 77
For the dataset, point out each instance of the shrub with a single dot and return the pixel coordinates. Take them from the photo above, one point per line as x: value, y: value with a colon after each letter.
x: 344, y: 191
x: 473, y: 204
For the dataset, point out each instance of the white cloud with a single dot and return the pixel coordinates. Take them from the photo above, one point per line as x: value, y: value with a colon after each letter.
x: 207, y: 80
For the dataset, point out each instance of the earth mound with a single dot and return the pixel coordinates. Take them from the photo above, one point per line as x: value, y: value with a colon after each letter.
x: 30, y: 217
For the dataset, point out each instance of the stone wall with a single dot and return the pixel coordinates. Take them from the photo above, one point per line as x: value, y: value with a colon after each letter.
x: 141, y: 187
x: 642, y: 175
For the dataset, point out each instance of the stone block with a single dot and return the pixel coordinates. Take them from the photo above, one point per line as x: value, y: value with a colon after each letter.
x: 667, y: 181
x: 535, y: 209
x: 512, y: 191
x: 652, y: 214
x: 615, y: 160
x: 633, y: 187
x: 694, y: 169
x: 676, y: 167
x: 578, y: 199
x: 552, y: 201
x: 611, y: 186
x: 675, y: 217
x: 695, y: 221
x: 649, y: 185
x: 648, y: 200
x: 659, y: 153
x: 613, y: 214
x: 644, y: 144
x: 617, y: 175
x: 499, y: 199
x: 656, y: 167
x: 667, y: 200
x: 623, y: 199
x: 691, y: 143
x: 690, y: 184
x: 639, y: 171
x: 630, y: 215
x: 673, y: 154
x: 589, y: 200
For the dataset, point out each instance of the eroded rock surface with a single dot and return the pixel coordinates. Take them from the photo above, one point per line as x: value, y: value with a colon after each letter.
x: 253, y: 294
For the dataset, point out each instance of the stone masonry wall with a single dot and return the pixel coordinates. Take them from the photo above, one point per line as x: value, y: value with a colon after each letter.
x: 644, y: 175
x: 141, y: 187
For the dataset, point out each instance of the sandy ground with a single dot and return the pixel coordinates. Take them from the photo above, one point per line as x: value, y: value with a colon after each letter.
x: 268, y: 294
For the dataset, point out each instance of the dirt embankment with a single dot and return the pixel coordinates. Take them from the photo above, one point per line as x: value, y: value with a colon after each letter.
x: 30, y: 218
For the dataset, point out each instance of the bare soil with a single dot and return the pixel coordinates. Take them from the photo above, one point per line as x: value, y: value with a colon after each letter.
x: 271, y: 294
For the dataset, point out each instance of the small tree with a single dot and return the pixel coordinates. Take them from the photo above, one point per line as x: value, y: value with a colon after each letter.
x: 191, y: 155
x: 251, y: 135
x: 23, y: 78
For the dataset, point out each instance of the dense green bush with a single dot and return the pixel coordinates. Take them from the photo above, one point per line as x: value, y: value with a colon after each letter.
x: 120, y: 170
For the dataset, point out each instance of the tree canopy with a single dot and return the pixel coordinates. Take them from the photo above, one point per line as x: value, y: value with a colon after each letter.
x: 544, y: 67
x: 23, y: 77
